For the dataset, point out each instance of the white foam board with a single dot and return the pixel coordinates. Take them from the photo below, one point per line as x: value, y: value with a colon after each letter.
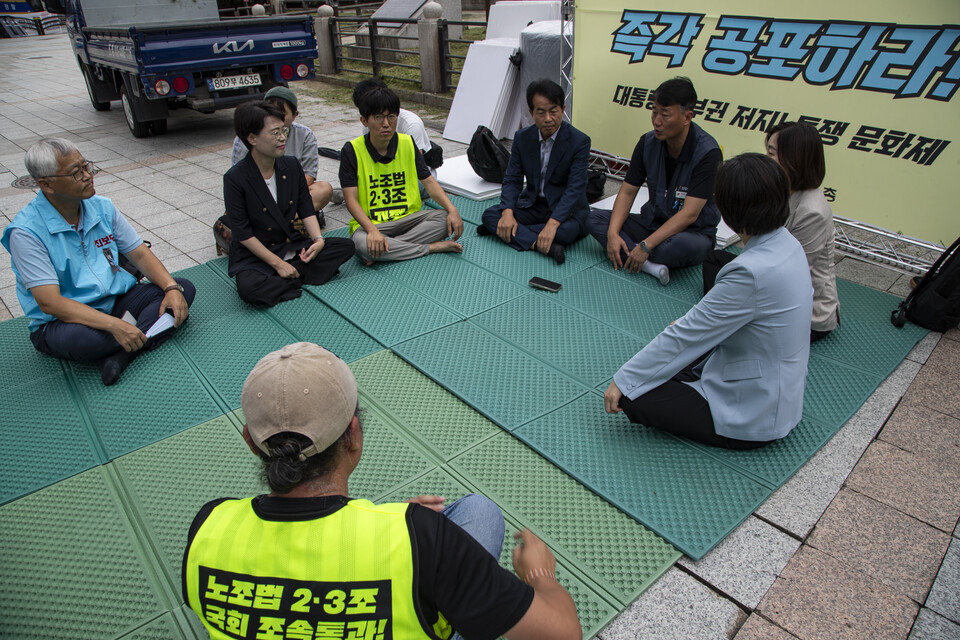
x: 725, y: 235
x: 485, y: 84
x: 456, y: 176
x: 508, y: 19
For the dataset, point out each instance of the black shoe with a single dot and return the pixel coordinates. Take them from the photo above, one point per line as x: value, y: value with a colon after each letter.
x: 557, y: 253
x: 112, y: 366
x: 483, y: 231
x: 321, y: 219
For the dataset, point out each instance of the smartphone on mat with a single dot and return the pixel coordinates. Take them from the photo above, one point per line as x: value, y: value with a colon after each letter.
x: 546, y: 285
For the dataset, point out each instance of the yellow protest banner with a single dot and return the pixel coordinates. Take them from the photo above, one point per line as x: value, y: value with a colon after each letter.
x: 879, y: 80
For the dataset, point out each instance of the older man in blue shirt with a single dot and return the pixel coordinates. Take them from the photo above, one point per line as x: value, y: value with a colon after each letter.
x: 65, y: 247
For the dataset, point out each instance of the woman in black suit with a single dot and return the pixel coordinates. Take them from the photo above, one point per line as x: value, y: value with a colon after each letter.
x: 263, y: 193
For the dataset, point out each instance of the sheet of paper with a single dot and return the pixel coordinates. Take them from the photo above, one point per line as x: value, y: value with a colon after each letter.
x: 165, y: 322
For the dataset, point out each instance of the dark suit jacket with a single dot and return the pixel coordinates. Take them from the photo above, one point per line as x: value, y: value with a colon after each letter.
x: 252, y: 211
x: 566, y: 177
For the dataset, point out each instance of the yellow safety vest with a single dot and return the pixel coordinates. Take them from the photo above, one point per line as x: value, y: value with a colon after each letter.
x: 346, y: 575
x: 389, y: 191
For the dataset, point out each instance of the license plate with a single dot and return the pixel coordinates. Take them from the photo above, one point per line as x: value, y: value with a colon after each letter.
x: 234, y: 82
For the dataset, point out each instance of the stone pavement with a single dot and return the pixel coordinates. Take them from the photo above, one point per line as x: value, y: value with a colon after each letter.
x: 861, y: 543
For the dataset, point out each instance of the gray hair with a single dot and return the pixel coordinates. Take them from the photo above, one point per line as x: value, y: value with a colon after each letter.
x: 43, y: 158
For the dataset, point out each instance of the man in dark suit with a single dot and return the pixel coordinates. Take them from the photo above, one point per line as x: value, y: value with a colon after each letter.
x: 263, y: 194
x: 549, y: 213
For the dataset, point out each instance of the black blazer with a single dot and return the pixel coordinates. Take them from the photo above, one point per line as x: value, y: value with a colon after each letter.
x: 252, y: 211
x: 566, y: 178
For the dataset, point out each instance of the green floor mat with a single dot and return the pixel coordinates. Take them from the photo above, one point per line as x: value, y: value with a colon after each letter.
x: 835, y: 391
x: 71, y: 568
x: 158, y: 395
x: 42, y: 420
x: 490, y: 375
x: 455, y: 283
x: 686, y: 283
x: 689, y: 498
x: 612, y: 550
x: 586, y: 251
x: 865, y: 324
x: 163, y: 628
x: 216, y: 295
x: 169, y: 481
x: 518, y: 266
x: 310, y: 320
x: 429, y: 413
x: 20, y: 359
x: 228, y: 347
x: 581, y: 347
x: 470, y: 210
x: 389, y: 459
x: 387, y: 310
x: 773, y: 464
x: 640, y: 312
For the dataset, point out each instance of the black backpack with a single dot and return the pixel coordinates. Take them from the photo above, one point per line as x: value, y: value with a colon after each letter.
x: 935, y: 302
x: 487, y: 155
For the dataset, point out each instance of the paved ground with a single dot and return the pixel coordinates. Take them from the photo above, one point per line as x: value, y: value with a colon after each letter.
x: 861, y: 543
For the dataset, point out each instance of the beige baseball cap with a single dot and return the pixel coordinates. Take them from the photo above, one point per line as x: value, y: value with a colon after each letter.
x: 304, y: 389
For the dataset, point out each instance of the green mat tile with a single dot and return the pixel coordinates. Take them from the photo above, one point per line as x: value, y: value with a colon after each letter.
x: 388, y: 461
x: 689, y: 498
x: 310, y: 320
x: 21, y: 361
x: 428, y: 412
x: 163, y: 628
x: 216, y: 295
x: 587, y: 251
x: 228, y: 348
x: 641, y: 312
x: 158, y: 395
x: 455, y: 283
x: 686, y: 283
x: 608, y: 547
x: 519, y: 266
x: 169, y: 481
x: 387, y: 310
x: 339, y: 232
x: 505, y: 384
x: 71, y: 567
x: 436, y: 482
x: 593, y: 610
x: 865, y: 326
x: 470, y: 210
x: 773, y: 464
x: 43, y: 423
x: 574, y: 343
x: 835, y: 391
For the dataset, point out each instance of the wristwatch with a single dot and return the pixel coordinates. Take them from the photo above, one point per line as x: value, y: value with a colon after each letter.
x: 176, y: 286
x: 643, y: 247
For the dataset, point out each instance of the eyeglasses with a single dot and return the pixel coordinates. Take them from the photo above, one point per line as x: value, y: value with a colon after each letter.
x: 278, y: 133
x: 77, y: 175
x: 380, y: 117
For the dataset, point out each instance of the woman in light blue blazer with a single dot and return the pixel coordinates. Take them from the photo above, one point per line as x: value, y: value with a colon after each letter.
x: 753, y: 326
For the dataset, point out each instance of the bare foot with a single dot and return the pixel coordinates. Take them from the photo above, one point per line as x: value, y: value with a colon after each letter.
x: 446, y: 246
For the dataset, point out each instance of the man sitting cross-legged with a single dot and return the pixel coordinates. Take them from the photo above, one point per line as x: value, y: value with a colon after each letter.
x: 379, y: 174
x: 551, y: 212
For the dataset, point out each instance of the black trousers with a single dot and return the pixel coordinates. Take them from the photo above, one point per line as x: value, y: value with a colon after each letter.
x: 677, y: 408
x: 268, y: 289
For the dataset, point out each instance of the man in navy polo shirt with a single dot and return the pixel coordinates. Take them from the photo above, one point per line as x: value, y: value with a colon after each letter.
x: 678, y: 160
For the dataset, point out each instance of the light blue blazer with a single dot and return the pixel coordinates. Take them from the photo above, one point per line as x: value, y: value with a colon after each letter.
x: 757, y: 321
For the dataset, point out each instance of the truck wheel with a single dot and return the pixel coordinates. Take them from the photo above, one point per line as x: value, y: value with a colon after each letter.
x: 138, y: 128
x: 98, y: 106
x: 159, y: 126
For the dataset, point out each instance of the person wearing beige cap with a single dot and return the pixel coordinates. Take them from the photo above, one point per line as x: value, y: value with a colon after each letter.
x: 307, y: 561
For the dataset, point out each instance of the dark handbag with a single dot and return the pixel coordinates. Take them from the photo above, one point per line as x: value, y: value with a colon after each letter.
x: 487, y: 155
x: 596, y: 180
x: 935, y: 302
x: 222, y: 235
x: 131, y: 268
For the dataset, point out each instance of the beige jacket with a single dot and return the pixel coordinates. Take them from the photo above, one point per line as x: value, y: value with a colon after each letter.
x: 811, y: 222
